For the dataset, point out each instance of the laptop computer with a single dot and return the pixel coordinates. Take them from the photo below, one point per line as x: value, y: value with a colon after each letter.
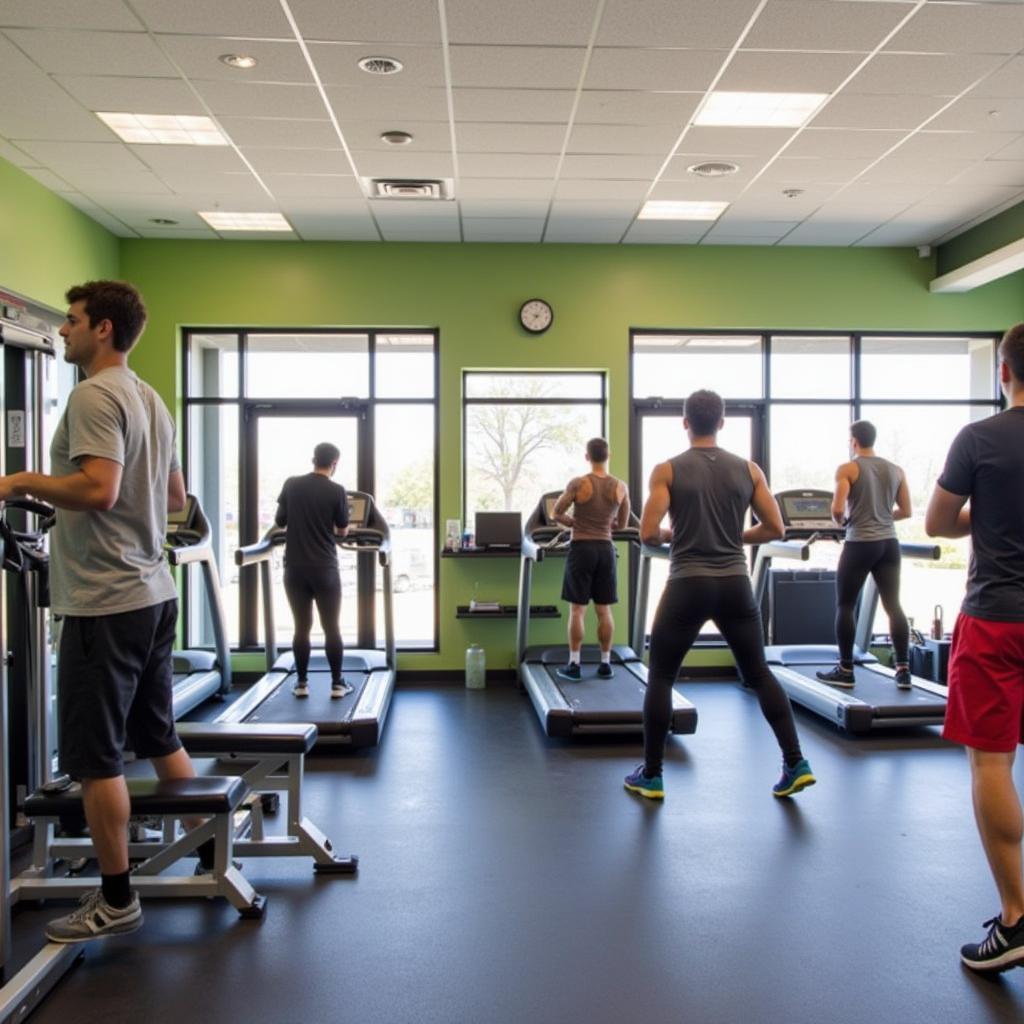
x: 499, y: 531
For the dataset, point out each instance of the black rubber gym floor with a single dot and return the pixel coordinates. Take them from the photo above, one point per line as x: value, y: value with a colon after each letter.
x: 509, y: 878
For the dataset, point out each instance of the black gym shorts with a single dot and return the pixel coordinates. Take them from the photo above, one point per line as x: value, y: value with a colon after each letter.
x: 590, y: 573
x: 115, y: 689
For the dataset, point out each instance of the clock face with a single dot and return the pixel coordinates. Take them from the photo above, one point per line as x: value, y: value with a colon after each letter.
x: 536, y: 316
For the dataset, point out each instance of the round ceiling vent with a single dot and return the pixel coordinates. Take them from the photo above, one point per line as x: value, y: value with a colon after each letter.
x: 713, y: 169
x: 396, y: 138
x: 381, y: 65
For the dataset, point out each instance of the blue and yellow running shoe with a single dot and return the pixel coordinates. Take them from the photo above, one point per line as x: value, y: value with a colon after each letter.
x: 794, y: 779
x: 638, y: 782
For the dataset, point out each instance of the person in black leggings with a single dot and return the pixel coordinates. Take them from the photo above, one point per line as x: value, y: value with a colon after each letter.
x: 706, y: 492
x: 315, y: 511
x: 867, y: 488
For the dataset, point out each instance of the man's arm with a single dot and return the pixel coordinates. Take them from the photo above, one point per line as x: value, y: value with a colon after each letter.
x: 176, y: 496
x: 565, y: 499
x: 765, y: 506
x: 281, y: 515
x: 656, y: 506
x: 902, y: 510
x: 842, y: 491
x: 95, y: 487
x: 947, y: 515
x: 622, y: 518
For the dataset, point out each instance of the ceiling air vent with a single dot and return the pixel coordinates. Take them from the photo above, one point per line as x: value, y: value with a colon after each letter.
x: 406, y: 188
x: 381, y: 65
x: 713, y: 169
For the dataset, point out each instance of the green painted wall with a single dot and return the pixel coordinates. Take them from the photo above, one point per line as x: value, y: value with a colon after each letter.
x: 993, y: 234
x: 46, y: 245
x: 472, y: 293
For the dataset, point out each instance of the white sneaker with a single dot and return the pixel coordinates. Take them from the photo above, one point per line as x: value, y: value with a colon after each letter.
x: 94, y: 919
x: 301, y: 688
x: 340, y: 689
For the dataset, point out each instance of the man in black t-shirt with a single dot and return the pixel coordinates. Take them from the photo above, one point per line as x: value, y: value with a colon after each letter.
x: 985, y: 708
x: 315, y: 511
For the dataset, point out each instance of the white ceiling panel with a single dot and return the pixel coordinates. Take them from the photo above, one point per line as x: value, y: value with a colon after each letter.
x: 690, y: 23
x: 158, y: 231
x: 935, y: 74
x: 813, y: 25
x: 481, y: 137
x: 384, y: 21
x: 1014, y: 151
x: 502, y: 189
x: 598, y: 209
x: 705, y: 189
x: 960, y: 28
x: 609, y: 106
x: 63, y: 14
x: 1007, y: 81
x: 516, y: 67
x: 600, y: 138
x: 403, y: 165
x: 798, y: 169
x: 974, y: 112
x: 606, y: 232
x: 994, y: 172
x: 93, y: 53
x: 714, y: 239
x: 427, y: 136
x: 543, y: 105
x: 91, y: 179
x: 538, y: 22
x: 643, y: 166
x: 954, y: 145
x: 672, y: 70
x: 13, y: 155
x: 49, y: 180
x: 298, y: 161
x: 197, y: 57
x: 419, y: 211
x: 498, y: 229
x: 280, y: 133
x: 825, y: 232
x: 338, y: 64
x: 427, y: 233
x: 330, y: 227
x: 260, y: 18
x: 704, y: 140
x: 678, y: 168
x: 787, y: 72
x: 666, y: 232
x: 145, y: 95
x: 970, y: 200
x: 898, y: 170
x: 567, y: 188
x: 501, y: 165
x: 750, y: 227
x: 329, y: 186
x: 375, y: 101
x: 839, y: 143
x: 529, y: 209
x: 768, y: 195
x: 113, y: 156
x: 244, y: 99
x: 871, y: 192
x: 842, y: 207
x: 890, y: 235
x: 849, y: 111
x: 202, y: 159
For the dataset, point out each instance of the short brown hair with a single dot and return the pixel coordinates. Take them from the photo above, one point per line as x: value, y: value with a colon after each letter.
x: 324, y: 454
x: 864, y: 433
x: 704, y: 411
x: 1011, y: 350
x: 597, y: 449
x: 116, y: 301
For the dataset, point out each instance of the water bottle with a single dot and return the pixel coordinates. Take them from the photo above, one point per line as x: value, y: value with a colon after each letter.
x: 476, y: 667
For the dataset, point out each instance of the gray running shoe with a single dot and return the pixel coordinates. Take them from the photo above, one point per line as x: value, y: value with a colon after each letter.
x: 300, y: 688
x: 837, y: 676
x: 340, y: 689
x: 95, y: 918
x: 903, y: 679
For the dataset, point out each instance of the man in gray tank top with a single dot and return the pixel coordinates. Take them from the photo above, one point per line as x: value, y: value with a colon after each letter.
x: 871, y: 493
x: 115, y: 476
x: 600, y: 503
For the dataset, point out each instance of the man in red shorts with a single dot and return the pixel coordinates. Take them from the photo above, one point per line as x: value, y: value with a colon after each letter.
x: 985, y: 710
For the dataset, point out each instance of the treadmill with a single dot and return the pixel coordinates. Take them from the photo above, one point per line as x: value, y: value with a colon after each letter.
x: 591, y: 704
x: 198, y: 675
x: 357, y: 718
x: 874, y: 702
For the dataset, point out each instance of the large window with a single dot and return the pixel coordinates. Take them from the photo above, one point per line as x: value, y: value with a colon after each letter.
x: 806, y: 388
x: 525, y: 434
x: 256, y: 403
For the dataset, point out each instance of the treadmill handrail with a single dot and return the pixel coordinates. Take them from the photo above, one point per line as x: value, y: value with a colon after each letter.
x: 930, y: 552
x: 253, y: 554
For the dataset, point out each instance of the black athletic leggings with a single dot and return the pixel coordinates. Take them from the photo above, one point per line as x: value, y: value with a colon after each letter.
x: 685, y: 606
x: 322, y: 584
x: 881, y: 558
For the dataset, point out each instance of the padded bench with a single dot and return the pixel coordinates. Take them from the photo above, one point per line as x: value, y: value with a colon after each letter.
x: 185, y: 798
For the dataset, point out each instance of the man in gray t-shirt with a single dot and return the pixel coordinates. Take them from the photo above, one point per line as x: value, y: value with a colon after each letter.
x: 114, y: 478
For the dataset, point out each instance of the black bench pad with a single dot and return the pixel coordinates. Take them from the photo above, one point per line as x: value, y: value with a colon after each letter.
x: 209, y: 794
x: 243, y: 738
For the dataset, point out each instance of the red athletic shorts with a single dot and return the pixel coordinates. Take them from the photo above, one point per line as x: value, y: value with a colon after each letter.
x: 985, y: 709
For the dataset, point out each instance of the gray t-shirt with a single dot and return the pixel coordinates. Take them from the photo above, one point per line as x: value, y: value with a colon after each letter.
x: 104, y: 563
x: 872, y: 496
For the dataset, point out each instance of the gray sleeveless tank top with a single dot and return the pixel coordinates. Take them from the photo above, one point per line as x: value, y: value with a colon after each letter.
x: 595, y: 516
x: 872, y: 496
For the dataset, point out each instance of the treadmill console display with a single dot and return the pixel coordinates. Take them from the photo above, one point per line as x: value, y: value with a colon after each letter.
x: 357, y: 508
x: 182, y: 520
x: 549, y: 509
x: 807, y: 512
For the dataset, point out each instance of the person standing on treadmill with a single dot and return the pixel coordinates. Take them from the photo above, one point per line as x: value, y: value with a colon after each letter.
x: 867, y: 488
x: 985, y: 707
x: 315, y: 511
x: 706, y: 492
x: 600, y: 503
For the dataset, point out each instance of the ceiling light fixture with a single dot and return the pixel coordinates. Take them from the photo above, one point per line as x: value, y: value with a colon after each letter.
x: 671, y: 209
x: 242, y: 61
x: 713, y: 169
x: 396, y: 138
x: 381, y: 65
x: 759, y: 109
x: 164, y: 129
x: 221, y: 220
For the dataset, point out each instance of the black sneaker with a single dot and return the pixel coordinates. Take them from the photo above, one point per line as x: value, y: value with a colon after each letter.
x: 605, y: 670
x: 837, y: 676
x: 570, y: 671
x: 903, y: 679
x: 1000, y: 950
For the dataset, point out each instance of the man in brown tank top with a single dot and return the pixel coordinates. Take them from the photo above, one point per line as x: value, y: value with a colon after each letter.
x: 600, y: 503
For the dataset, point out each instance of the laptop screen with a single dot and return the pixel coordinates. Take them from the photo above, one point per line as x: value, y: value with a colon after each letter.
x: 499, y: 529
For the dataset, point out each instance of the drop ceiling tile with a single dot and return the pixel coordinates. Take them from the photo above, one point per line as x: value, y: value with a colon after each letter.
x: 540, y: 105
x: 238, y: 185
x: 245, y: 99
x: 1007, y: 81
x: 329, y: 186
x: 91, y: 179
x: 112, y: 224
x: 501, y: 165
x: 137, y: 95
x: 427, y: 136
x: 112, y: 15
x: 515, y: 67
x: 157, y: 231
x: 382, y: 21
x: 200, y: 159
x: 93, y: 53
x: 600, y: 138
x: 841, y: 207
x: 197, y: 56
x: 499, y: 229
x: 826, y: 233
x: 477, y: 137
x: 994, y: 172
x: 678, y: 169
x: 733, y: 224
x: 954, y: 145
x: 898, y: 236
x: 868, y: 192
x: 102, y: 156
x: 338, y: 64
x: 13, y: 155
x: 409, y: 211
x: 329, y: 227
x: 593, y: 232
x: 711, y: 238
x: 982, y: 113
x: 504, y: 188
x: 538, y: 22
x: 595, y: 189
x: 1014, y: 151
x: 260, y: 18
x: 840, y: 143
x: 704, y: 140
x: 666, y: 232
x: 934, y: 74
x: 279, y: 133
x: 673, y: 70
x: 970, y: 199
x: 390, y: 102
x: 962, y: 28
x: 812, y: 25
x: 848, y: 111
x: 505, y: 208
x: 788, y: 170
x: 403, y: 165
x: 48, y: 179
x: 609, y: 106
x: 693, y: 23
x: 787, y: 72
x: 611, y: 166
x: 897, y: 170
x: 704, y: 189
x: 769, y: 195
x: 596, y: 209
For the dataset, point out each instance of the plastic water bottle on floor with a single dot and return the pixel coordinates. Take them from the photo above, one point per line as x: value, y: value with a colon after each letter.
x: 476, y: 667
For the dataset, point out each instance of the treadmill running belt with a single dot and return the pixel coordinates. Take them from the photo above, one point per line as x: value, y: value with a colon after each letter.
x: 319, y: 707
x: 623, y: 692
x: 879, y: 690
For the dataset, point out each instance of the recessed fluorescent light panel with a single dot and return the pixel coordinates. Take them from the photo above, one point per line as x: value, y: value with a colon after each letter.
x: 165, y: 129
x: 222, y: 221
x: 670, y: 209
x: 759, y: 109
